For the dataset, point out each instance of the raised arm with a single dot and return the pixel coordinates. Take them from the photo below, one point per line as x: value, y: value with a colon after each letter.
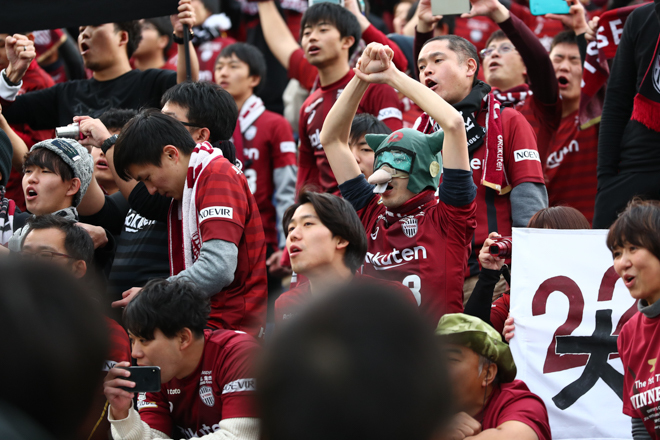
x: 277, y: 33
x: 186, y: 16
x: 19, y: 149
x: 455, y: 153
x: 336, y: 129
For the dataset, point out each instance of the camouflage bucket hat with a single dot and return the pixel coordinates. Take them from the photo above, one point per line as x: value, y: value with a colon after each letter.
x: 473, y: 333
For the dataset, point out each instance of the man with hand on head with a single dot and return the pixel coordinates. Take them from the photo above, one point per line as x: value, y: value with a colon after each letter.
x: 491, y: 404
x: 413, y: 237
x: 326, y: 244
x: 215, y: 235
x: 207, y: 381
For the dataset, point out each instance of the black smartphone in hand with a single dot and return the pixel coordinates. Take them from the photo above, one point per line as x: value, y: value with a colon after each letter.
x: 147, y: 379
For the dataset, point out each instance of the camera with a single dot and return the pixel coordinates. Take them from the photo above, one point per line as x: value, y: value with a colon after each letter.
x: 69, y: 131
x: 501, y: 248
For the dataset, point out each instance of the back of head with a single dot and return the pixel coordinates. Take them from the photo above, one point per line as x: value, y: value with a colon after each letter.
x: 114, y: 119
x: 638, y: 225
x: 143, y: 138
x: 169, y: 306
x: 365, y: 123
x: 134, y: 30
x: 340, y: 218
x: 337, y: 16
x: 251, y: 56
x: 360, y: 364
x: 208, y: 104
x: 559, y: 217
x: 463, y: 49
x: 58, y: 343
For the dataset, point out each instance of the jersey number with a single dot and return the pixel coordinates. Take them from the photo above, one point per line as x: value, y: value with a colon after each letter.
x: 251, y: 176
x: 414, y: 283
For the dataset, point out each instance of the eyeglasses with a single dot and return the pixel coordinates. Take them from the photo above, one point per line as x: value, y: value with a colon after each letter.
x: 189, y: 124
x: 502, y: 50
x: 43, y: 255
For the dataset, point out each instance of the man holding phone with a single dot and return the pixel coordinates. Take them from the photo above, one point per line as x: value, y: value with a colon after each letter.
x: 207, y: 381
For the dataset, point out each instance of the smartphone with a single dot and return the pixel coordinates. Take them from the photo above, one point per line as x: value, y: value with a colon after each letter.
x: 337, y: 2
x: 147, y: 379
x: 542, y: 7
x: 450, y: 7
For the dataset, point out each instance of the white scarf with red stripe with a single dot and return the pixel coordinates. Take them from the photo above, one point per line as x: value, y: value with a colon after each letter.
x: 183, y: 221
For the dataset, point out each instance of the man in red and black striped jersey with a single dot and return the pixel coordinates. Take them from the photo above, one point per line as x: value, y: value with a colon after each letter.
x: 207, y: 385
x: 413, y: 236
x: 216, y: 237
x: 327, y: 244
x: 501, y: 143
x: 571, y: 165
x: 268, y: 149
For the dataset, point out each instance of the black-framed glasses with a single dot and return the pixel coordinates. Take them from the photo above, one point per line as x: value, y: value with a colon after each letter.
x: 43, y: 255
x: 503, y: 49
x: 190, y: 124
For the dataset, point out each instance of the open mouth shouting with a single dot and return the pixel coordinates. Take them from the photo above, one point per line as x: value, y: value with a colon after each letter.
x: 102, y: 164
x: 313, y: 50
x: 30, y: 193
x: 563, y: 81
x: 430, y: 83
x: 294, y: 251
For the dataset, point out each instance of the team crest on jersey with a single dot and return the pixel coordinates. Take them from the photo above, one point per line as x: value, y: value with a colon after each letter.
x: 409, y: 226
x: 250, y: 133
x: 206, y: 394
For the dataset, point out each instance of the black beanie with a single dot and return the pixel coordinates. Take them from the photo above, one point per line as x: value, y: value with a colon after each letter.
x: 6, y: 153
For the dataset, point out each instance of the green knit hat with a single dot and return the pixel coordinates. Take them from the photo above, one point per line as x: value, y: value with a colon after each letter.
x: 473, y: 333
x: 412, y: 152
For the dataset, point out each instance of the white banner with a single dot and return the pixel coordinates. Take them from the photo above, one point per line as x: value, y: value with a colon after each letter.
x: 568, y: 304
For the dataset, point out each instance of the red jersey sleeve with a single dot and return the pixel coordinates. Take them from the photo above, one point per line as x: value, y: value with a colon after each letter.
x: 283, y: 146
x: 301, y: 70
x: 371, y: 35
x: 383, y: 102
x: 154, y: 410
x: 499, y: 311
x: 523, y: 162
x: 120, y: 345
x: 623, y: 345
x: 221, y: 201
x: 237, y: 375
x: 526, y: 408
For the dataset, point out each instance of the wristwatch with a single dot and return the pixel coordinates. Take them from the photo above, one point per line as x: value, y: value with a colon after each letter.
x: 108, y: 143
x: 178, y: 40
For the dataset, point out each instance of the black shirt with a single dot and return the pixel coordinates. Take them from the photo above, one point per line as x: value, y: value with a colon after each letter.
x: 57, y: 105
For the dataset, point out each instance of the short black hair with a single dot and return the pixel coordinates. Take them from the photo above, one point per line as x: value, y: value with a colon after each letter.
x: 346, y: 368
x: 340, y: 218
x: 462, y: 48
x: 45, y: 158
x: 134, y: 30
x: 496, y: 36
x: 564, y: 37
x: 169, y: 306
x: 251, y: 56
x: 638, y: 225
x: 337, y: 16
x: 365, y: 123
x: 116, y: 118
x: 208, y: 105
x: 59, y: 342
x: 77, y: 242
x: 143, y: 138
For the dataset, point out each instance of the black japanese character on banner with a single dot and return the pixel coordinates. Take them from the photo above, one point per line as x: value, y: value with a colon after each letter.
x: 598, y: 346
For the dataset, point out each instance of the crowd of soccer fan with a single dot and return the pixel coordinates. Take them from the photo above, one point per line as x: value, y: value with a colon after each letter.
x: 297, y: 229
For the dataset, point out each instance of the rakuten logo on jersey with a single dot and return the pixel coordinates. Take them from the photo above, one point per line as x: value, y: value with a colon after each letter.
x: 204, y: 430
x: 555, y: 159
x: 315, y: 139
x: 395, y: 258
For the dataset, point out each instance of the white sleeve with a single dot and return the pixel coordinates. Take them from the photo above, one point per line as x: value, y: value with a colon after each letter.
x: 133, y: 428
x: 7, y: 92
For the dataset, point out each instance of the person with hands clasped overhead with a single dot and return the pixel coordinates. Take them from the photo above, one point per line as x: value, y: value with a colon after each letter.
x: 412, y: 236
